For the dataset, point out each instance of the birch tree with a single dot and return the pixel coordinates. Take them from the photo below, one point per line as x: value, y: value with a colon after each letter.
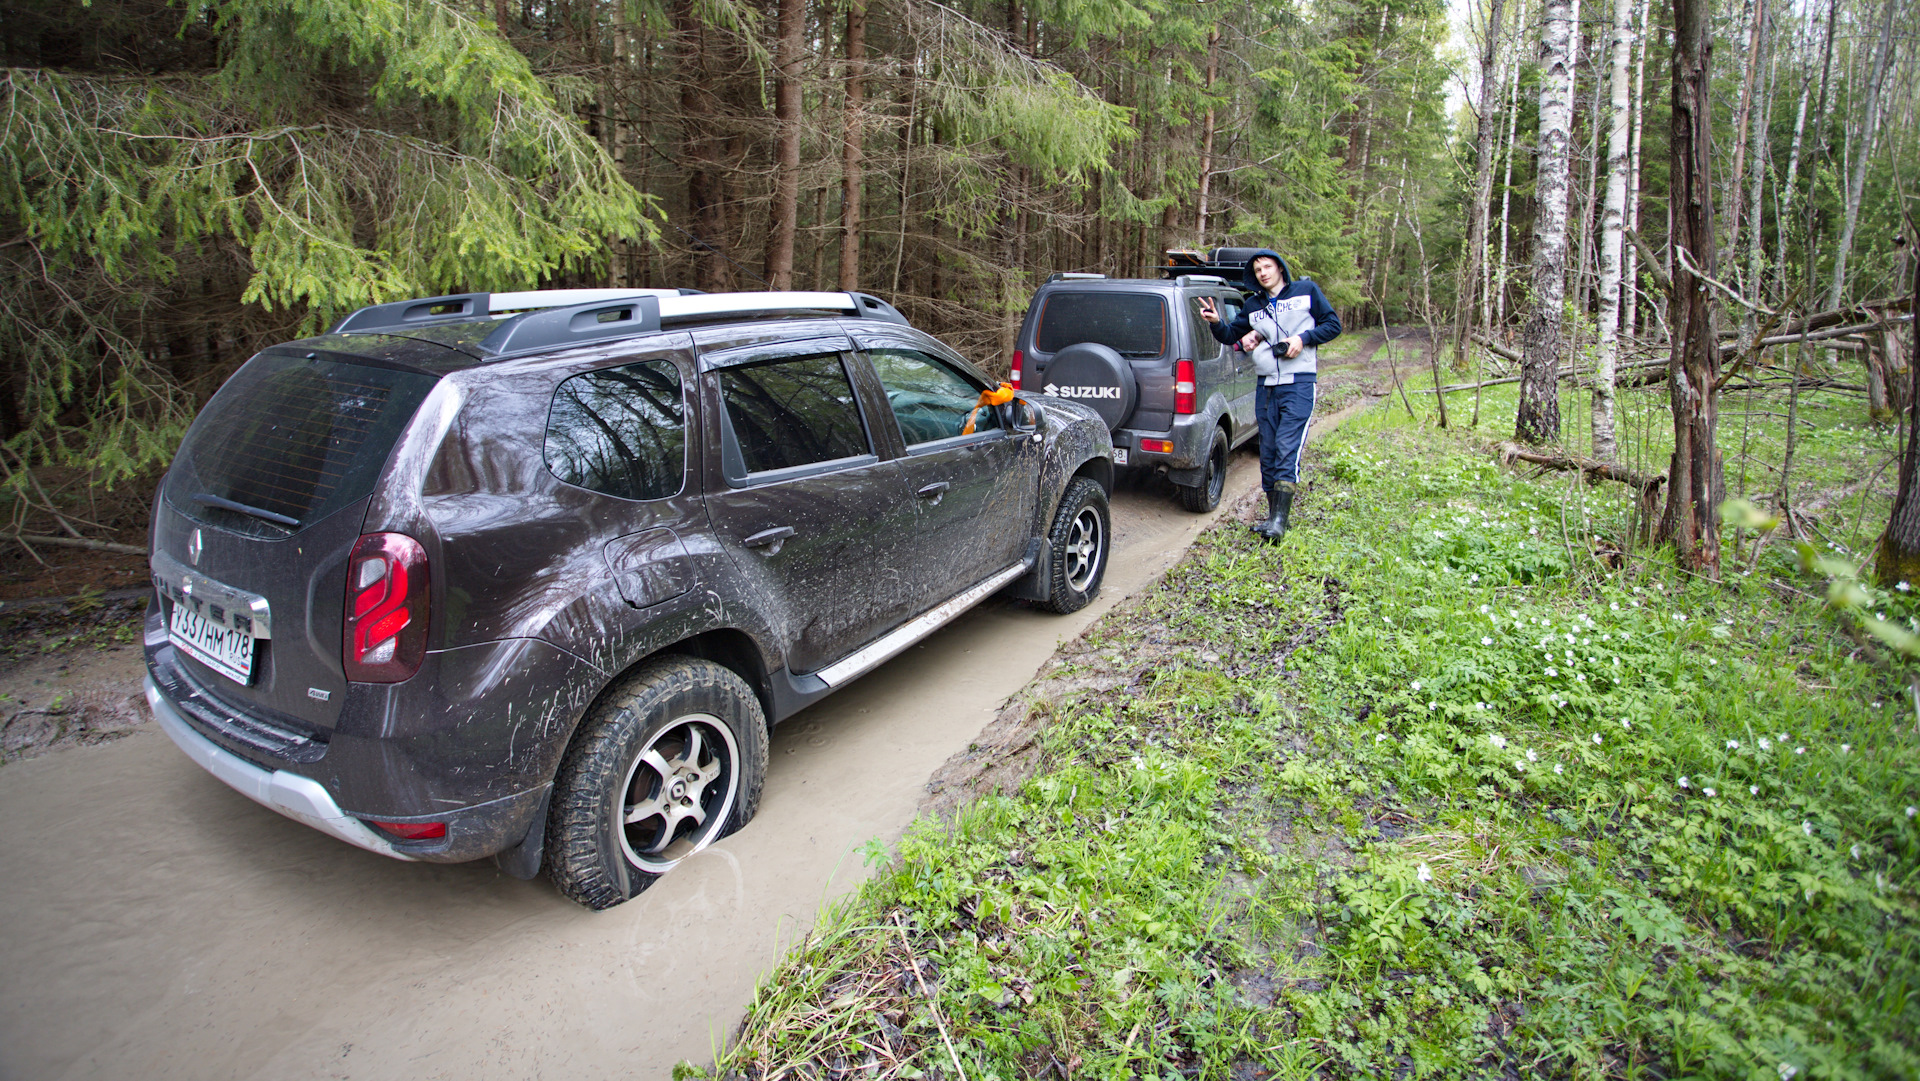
x: 1538, y: 420
x: 1863, y: 152
x: 1612, y: 226
x: 1484, y: 140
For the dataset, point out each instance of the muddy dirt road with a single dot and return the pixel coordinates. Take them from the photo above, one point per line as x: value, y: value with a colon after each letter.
x: 158, y: 925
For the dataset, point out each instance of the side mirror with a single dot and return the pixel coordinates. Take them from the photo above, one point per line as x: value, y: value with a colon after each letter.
x: 1020, y: 416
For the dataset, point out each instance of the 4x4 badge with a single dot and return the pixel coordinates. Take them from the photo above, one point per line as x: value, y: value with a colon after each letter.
x: 193, y: 548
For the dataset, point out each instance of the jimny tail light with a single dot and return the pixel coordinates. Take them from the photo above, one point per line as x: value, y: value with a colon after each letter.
x: 1183, y: 386
x: 386, y: 626
x: 1013, y: 377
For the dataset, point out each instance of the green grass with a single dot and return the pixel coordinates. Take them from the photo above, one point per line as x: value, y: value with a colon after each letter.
x: 1429, y: 790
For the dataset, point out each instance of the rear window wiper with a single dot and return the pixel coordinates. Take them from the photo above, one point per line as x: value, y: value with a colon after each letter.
x: 207, y: 499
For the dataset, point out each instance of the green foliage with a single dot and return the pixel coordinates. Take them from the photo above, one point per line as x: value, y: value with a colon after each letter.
x: 1427, y: 790
x: 346, y: 151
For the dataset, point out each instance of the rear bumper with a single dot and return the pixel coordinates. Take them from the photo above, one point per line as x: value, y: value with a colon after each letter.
x: 1191, y: 436
x: 299, y: 798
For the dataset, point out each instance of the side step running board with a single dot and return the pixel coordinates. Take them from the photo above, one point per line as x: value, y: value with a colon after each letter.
x: 872, y: 656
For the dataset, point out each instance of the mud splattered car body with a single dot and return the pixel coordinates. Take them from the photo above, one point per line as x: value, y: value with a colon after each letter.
x: 406, y: 571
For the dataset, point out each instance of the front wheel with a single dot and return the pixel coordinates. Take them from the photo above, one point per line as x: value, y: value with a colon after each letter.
x: 669, y: 762
x: 1204, y: 496
x: 1078, y: 544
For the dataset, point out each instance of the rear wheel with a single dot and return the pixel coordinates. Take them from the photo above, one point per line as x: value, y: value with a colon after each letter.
x: 1078, y: 544
x: 1204, y: 496
x: 670, y: 762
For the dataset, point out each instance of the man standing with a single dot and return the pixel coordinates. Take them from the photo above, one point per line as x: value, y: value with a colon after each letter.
x: 1283, y: 326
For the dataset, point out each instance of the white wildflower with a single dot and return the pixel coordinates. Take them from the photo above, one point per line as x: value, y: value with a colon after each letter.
x: 1497, y: 740
x: 1558, y: 768
x: 1845, y: 747
x: 1806, y: 828
x: 1709, y: 793
x: 1901, y: 586
x: 1787, y: 1070
x: 1485, y: 641
x: 1733, y: 745
x: 1424, y: 873
x: 1766, y: 744
x: 1532, y: 757
x: 1416, y: 684
x: 1596, y: 739
x: 1551, y: 672
x: 1380, y: 737
x: 1910, y: 810
x: 1519, y: 766
x: 1799, y: 750
x: 1854, y: 851
x: 1683, y: 782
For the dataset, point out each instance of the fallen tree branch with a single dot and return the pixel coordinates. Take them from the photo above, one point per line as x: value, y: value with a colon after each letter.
x: 1510, y: 452
x: 76, y: 542
x: 1497, y: 349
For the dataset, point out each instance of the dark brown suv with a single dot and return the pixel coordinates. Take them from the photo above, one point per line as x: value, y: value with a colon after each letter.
x: 530, y: 576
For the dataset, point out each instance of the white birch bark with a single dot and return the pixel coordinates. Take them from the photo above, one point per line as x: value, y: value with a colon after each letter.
x: 1612, y: 230
x: 1630, y: 274
x: 1506, y: 192
x: 1539, y: 416
x: 1862, y: 153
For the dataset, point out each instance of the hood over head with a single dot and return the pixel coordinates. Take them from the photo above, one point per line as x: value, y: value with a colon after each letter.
x: 1252, y: 284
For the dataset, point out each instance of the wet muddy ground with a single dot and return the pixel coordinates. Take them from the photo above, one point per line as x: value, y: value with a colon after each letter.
x: 160, y: 925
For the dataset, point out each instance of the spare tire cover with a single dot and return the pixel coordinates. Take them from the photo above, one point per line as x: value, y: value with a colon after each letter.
x: 1096, y: 377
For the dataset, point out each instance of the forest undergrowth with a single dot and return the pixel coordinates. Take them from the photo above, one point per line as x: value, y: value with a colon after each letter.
x: 1456, y: 781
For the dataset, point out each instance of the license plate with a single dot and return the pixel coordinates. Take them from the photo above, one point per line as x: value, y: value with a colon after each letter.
x: 1119, y: 456
x: 223, y: 649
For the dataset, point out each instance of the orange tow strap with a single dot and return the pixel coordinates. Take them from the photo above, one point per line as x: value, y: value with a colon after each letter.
x: 1001, y: 395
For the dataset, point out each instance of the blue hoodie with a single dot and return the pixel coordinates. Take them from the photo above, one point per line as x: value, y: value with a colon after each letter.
x: 1300, y: 308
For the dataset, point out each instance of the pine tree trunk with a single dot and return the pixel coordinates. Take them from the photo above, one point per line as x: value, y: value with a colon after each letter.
x: 1538, y: 420
x: 788, y: 54
x: 1612, y: 230
x: 1206, y: 139
x: 701, y: 150
x: 1480, y: 205
x: 852, y: 170
x: 1898, y: 558
x: 1692, y: 517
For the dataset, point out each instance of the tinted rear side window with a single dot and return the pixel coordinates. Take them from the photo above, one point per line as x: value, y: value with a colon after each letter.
x: 792, y: 413
x: 621, y: 431
x: 1131, y: 324
x: 295, y: 437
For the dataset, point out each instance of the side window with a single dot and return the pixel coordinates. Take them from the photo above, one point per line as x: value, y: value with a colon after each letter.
x: 1204, y: 345
x: 792, y: 412
x: 930, y: 399
x: 621, y: 431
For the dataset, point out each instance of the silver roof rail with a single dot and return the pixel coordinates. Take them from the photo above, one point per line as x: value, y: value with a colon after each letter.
x: 558, y: 317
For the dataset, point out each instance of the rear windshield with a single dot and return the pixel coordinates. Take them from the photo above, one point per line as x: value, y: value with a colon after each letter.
x: 1131, y: 324
x: 289, y: 440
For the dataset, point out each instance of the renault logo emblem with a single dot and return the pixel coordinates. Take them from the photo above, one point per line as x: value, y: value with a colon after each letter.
x: 193, y: 548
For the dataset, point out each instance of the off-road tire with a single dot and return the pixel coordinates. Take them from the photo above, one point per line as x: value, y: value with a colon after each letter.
x: 1204, y: 496
x: 586, y: 855
x: 1074, y: 575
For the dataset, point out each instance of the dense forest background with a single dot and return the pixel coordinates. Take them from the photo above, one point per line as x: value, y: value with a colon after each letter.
x: 182, y: 184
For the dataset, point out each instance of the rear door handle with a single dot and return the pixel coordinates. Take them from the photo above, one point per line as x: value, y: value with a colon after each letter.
x: 934, y: 491
x: 770, y: 539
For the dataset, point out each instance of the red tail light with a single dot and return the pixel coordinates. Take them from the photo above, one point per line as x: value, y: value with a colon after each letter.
x: 1183, y: 383
x: 386, y: 626
x: 414, y: 831
x: 1014, y: 377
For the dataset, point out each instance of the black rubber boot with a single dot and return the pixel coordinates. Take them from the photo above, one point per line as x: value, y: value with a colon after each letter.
x: 1279, y: 507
